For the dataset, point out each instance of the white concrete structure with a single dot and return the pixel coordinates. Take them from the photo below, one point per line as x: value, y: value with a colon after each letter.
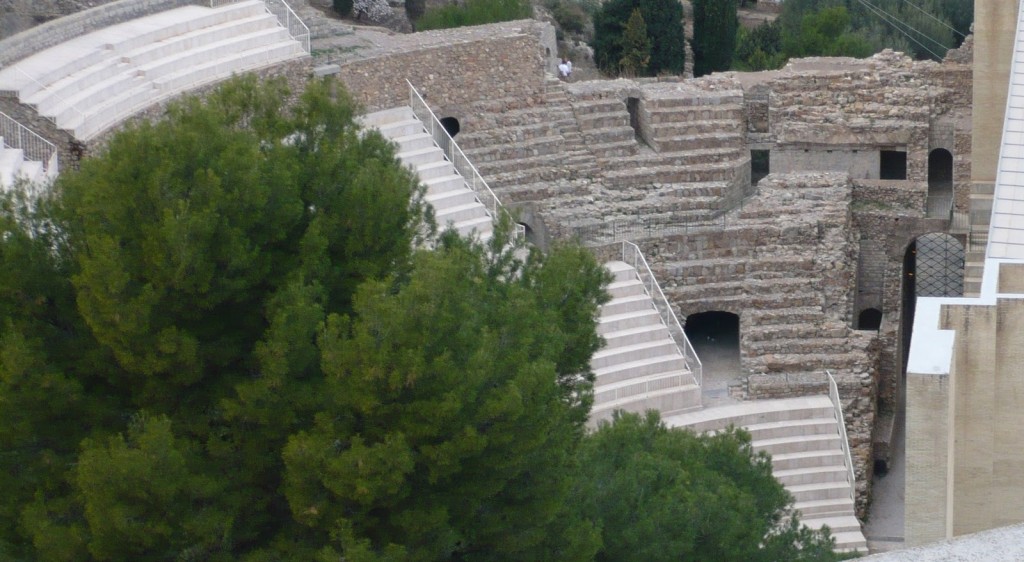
x: 965, y: 389
x: 802, y: 436
x: 641, y: 367
x: 455, y: 204
x: 87, y: 84
x: 14, y: 166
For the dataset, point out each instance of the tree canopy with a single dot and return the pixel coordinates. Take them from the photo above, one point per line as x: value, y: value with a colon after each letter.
x: 663, y: 20
x: 224, y: 298
x: 667, y: 494
x: 714, y: 35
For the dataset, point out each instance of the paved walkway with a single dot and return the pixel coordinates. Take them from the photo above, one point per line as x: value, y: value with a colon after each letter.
x: 884, y: 528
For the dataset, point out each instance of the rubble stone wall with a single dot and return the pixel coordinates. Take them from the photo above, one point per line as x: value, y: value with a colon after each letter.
x: 501, y: 62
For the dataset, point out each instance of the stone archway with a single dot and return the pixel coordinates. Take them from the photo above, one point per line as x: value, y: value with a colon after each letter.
x: 715, y: 336
x: 933, y: 266
x: 451, y: 125
x: 869, y: 319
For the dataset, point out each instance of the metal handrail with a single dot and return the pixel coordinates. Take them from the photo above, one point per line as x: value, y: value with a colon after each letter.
x: 454, y: 154
x: 284, y: 14
x: 59, y: 98
x: 632, y: 255
x: 833, y: 394
x: 35, y: 147
x: 297, y: 29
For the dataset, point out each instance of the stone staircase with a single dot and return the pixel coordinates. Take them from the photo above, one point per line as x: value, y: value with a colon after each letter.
x: 640, y: 367
x: 89, y: 83
x: 523, y: 152
x: 803, y: 438
x: 455, y: 204
x: 693, y: 137
x: 14, y: 167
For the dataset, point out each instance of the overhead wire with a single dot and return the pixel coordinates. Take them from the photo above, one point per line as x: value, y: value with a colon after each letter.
x: 887, y: 15
x: 944, y: 24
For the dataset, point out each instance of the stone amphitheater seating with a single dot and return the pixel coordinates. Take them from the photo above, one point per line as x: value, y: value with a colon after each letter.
x: 640, y: 367
x: 455, y: 204
x: 803, y: 439
x: 92, y: 82
x: 13, y: 166
x: 525, y: 151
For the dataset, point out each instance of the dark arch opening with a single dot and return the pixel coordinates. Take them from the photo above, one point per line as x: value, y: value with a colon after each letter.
x: 451, y: 125
x: 940, y: 182
x: 869, y: 319
x: 529, y: 234
x: 715, y: 336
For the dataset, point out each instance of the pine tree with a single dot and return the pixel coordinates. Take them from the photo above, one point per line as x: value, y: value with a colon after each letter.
x: 636, y: 46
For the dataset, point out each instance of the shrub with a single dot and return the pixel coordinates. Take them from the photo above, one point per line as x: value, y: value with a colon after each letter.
x: 570, y: 16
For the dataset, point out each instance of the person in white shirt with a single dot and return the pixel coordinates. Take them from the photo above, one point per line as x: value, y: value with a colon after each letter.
x: 564, y: 69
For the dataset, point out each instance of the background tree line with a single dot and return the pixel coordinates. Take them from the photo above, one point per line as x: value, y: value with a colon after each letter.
x: 222, y: 340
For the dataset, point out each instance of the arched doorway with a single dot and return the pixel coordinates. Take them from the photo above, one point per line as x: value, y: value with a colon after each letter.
x: 715, y: 336
x: 451, y: 125
x: 933, y: 266
x: 940, y: 182
x: 528, y: 234
x: 869, y: 319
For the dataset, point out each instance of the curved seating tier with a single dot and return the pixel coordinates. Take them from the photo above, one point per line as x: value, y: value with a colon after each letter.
x: 92, y: 82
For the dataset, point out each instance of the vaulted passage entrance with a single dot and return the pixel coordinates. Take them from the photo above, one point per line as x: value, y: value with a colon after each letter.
x: 940, y: 182
x: 715, y: 336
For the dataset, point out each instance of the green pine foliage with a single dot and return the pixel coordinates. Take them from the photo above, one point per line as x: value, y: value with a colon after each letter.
x: 636, y: 46
x: 664, y: 494
x: 714, y: 35
x: 664, y: 22
x: 474, y: 12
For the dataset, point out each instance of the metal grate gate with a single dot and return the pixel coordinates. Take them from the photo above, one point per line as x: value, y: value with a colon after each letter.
x: 940, y: 266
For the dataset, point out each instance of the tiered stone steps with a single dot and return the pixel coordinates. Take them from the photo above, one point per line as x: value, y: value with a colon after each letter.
x: 693, y: 138
x: 92, y: 82
x: 455, y: 204
x: 606, y: 128
x: 14, y: 166
x: 803, y: 439
x: 640, y: 367
x: 523, y: 152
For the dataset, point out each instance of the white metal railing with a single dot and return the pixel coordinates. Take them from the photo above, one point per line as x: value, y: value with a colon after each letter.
x: 833, y: 394
x: 631, y: 255
x: 290, y: 20
x: 454, y: 154
x: 284, y: 14
x: 36, y: 148
x: 53, y: 94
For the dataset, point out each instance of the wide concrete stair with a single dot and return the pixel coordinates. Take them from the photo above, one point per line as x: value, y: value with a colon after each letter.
x: 640, y: 367
x: 803, y: 439
x: 90, y: 83
x: 455, y: 204
x: 525, y: 153
x: 14, y: 168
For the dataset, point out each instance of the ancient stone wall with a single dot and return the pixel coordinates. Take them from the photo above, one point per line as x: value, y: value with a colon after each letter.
x: 500, y: 62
